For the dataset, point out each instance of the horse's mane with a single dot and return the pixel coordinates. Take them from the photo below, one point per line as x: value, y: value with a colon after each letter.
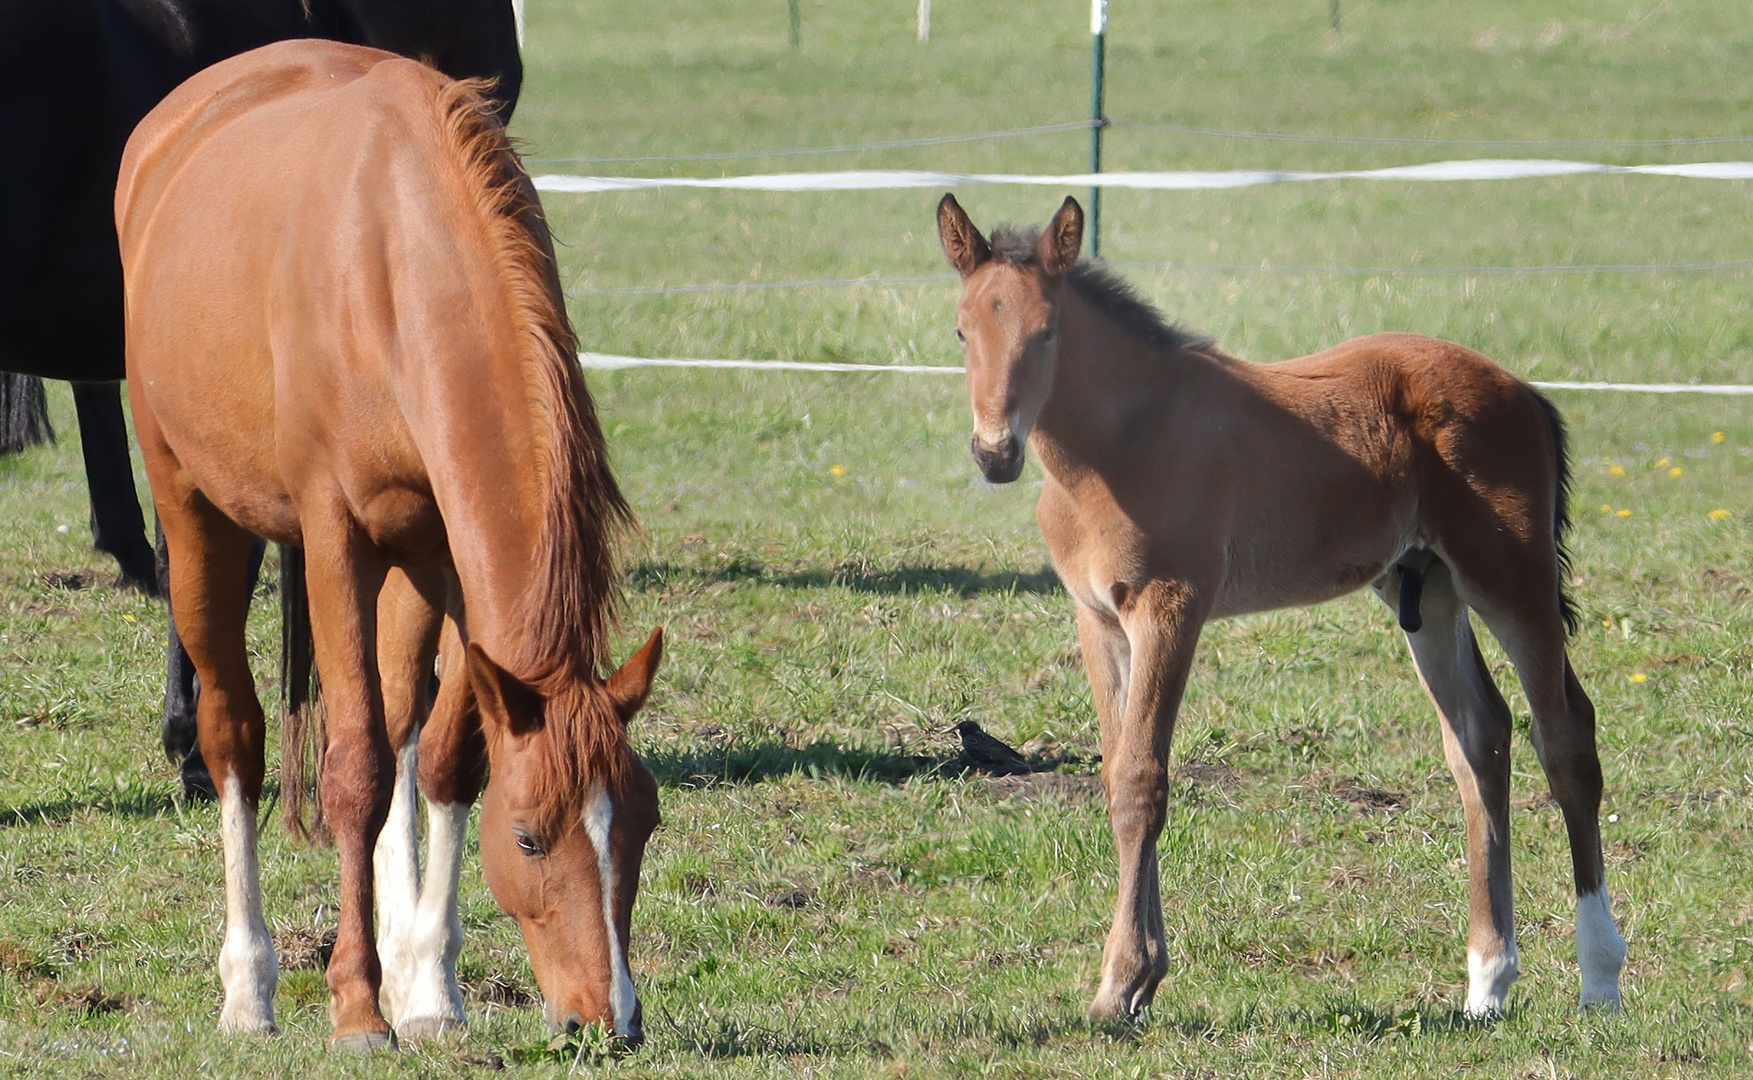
x: 1106, y: 291
x: 574, y: 595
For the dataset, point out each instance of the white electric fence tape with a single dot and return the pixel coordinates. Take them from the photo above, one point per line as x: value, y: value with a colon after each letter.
x: 883, y: 179
x: 609, y: 362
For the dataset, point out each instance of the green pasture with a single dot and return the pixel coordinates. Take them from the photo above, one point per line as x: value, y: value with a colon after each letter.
x: 828, y: 895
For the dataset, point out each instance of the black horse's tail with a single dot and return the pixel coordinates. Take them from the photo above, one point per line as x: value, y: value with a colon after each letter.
x: 1561, y: 511
x: 303, y: 730
x: 24, y: 413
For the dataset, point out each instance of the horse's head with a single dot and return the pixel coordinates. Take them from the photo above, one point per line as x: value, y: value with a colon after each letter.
x: 1008, y: 322
x: 564, y: 821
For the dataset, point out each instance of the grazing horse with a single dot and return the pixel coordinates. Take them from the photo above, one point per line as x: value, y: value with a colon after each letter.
x: 346, y: 333
x: 1184, y: 485
x: 77, y: 75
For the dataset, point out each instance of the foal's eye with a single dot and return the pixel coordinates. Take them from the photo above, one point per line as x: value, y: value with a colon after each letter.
x: 1049, y: 334
x: 960, y: 336
x: 528, y: 845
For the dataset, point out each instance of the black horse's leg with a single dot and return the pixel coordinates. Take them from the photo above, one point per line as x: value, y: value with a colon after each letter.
x: 116, y: 523
x: 182, y: 688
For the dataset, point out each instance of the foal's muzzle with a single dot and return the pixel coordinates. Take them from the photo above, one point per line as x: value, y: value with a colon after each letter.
x: 1000, y: 463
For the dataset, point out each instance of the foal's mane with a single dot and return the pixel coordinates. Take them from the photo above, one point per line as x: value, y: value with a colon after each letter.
x: 1106, y: 291
x: 574, y: 594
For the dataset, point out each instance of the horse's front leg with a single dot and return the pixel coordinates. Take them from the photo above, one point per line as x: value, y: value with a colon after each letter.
x: 1161, y: 624
x: 452, y: 769
x: 344, y: 575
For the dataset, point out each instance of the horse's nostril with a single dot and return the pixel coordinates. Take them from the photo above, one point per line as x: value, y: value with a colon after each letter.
x: 572, y: 1023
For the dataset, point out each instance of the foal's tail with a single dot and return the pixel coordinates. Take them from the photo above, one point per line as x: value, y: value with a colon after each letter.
x: 303, y: 730
x: 1561, y: 510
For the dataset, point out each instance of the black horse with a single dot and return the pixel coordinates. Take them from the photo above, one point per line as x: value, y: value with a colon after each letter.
x: 76, y: 76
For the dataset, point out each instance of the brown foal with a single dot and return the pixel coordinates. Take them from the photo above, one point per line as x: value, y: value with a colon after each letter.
x: 1184, y: 485
x: 346, y: 333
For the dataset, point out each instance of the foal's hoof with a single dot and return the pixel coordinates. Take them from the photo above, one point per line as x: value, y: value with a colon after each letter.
x: 363, y: 1042
x: 421, y: 1028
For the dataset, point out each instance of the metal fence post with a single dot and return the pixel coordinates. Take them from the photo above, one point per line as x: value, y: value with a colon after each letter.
x: 1099, y: 29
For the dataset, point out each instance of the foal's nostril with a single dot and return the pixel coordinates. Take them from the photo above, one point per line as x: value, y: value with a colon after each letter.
x: 1001, y: 462
x: 572, y: 1023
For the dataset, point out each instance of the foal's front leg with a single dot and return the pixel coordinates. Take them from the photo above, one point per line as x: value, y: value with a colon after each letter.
x: 1161, y: 624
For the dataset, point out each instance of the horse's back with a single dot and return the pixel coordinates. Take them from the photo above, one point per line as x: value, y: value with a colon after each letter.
x: 294, y: 232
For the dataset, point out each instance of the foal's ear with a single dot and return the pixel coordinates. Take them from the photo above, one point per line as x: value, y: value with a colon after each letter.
x: 505, y: 702
x: 963, y: 245
x: 1057, y: 249
x: 631, y: 682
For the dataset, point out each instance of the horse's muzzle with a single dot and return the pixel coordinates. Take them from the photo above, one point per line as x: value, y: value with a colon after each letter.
x: 1001, y: 463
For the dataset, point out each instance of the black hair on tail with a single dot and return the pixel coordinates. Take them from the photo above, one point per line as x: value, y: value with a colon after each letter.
x: 304, y: 734
x: 1561, y: 511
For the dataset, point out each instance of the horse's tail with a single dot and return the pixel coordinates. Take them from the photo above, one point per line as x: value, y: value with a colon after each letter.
x: 24, y: 413
x: 303, y: 730
x: 1561, y: 510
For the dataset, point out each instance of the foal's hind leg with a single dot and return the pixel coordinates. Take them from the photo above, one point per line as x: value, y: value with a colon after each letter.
x: 209, y: 559
x: 1476, y: 741
x: 1564, y: 739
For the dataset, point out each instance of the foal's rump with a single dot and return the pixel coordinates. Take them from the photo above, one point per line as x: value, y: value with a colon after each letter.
x: 270, y: 212
x: 1475, y: 455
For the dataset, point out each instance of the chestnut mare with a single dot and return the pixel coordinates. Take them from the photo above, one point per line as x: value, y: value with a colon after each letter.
x: 1184, y: 485
x: 345, y: 332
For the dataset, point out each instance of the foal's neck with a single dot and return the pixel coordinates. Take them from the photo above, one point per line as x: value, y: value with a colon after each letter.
x: 1110, y: 388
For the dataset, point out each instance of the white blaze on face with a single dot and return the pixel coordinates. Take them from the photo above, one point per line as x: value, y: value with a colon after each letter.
x: 1600, y: 951
x: 248, y: 968
x: 599, y: 819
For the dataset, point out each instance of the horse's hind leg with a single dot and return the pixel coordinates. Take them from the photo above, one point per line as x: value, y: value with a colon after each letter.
x: 1564, y: 739
x: 1476, y: 742
x: 344, y: 574
x: 209, y: 558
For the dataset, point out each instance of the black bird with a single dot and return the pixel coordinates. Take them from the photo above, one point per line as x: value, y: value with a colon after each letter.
x: 988, y: 755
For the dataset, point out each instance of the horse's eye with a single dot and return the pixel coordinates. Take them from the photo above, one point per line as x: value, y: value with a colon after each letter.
x: 528, y: 845
x: 960, y: 336
x: 1049, y: 334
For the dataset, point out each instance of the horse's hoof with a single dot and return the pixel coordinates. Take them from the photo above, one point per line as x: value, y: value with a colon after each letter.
x: 363, y: 1042
x: 418, y: 1028
x: 198, y: 783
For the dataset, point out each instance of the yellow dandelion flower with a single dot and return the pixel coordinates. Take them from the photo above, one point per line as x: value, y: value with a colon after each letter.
x: 1625, y: 513
x: 1616, y: 470
x: 1675, y: 471
x: 836, y: 470
x: 1718, y: 515
x: 1608, y: 623
x: 129, y: 618
x: 1660, y: 462
x: 1638, y: 676
x: 1717, y: 436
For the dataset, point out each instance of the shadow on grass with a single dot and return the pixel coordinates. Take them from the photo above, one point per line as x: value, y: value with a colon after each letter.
x: 751, y: 764
x: 134, y: 804
x: 959, y: 580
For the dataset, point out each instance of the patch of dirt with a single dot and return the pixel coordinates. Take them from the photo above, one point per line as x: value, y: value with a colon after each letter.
x: 1374, y: 800
x: 1072, y: 787
x: 71, y: 580
x: 304, y: 947
x: 501, y: 991
x: 20, y: 963
x: 791, y: 899
x: 1540, y: 800
x: 96, y: 1001
x: 1211, y: 773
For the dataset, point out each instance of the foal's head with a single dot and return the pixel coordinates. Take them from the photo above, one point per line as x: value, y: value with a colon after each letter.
x: 564, y: 821
x: 1008, y: 325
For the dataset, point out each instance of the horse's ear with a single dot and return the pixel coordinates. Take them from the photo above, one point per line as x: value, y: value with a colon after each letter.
x: 963, y: 245
x: 1057, y: 249
x: 504, y: 701
x: 631, y: 682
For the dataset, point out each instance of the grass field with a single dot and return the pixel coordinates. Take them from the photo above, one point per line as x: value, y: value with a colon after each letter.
x: 824, y: 898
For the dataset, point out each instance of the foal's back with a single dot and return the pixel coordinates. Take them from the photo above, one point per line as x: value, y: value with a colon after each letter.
x: 316, y: 200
